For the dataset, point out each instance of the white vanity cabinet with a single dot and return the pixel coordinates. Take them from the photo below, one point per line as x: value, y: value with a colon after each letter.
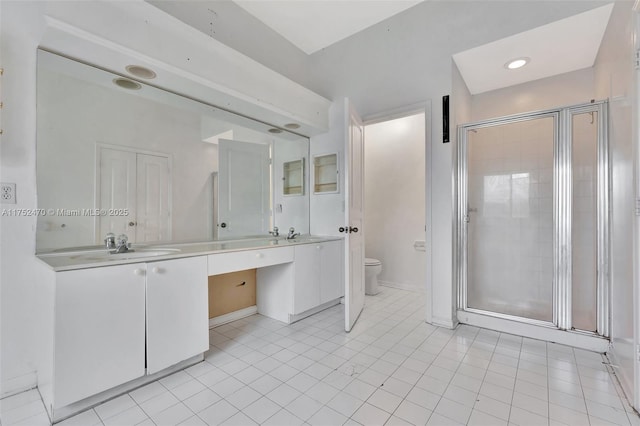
x: 177, y: 311
x: 306, y: 284
x: 107, y: 326
x: 108, y: 329
x: 318, y: 275
x: 99, y: 330
x: 331, y: 271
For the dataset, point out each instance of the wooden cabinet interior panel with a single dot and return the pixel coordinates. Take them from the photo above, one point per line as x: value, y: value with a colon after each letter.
x: 231, y: 292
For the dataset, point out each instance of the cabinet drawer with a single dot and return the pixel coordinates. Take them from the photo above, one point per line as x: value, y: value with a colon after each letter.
x: 240, y: 260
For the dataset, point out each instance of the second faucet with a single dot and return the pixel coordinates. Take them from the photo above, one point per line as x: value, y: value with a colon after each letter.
x: 292, y: 233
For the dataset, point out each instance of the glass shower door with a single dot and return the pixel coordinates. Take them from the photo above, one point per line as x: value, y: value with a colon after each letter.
x: 533, y: 218
x: 510, y: 220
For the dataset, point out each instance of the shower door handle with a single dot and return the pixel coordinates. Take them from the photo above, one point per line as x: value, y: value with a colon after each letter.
x: 470, y: 210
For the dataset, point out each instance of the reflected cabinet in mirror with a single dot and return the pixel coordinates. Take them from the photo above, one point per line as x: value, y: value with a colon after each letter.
x: 117, y: 155
x: 325, y: 174
x: 293, y: 177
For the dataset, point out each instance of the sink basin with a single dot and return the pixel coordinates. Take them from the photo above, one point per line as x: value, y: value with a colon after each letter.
x: 134, y: 254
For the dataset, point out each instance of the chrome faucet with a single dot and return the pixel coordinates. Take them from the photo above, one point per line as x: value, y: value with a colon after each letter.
x: 275, y: 231
x: 292, y: 234
x: 122, y: 245
x: 110, y: 241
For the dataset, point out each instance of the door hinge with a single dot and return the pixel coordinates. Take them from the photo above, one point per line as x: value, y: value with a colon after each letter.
x: 637, y: 206
x: 638, y: 352
x: 637, y: 59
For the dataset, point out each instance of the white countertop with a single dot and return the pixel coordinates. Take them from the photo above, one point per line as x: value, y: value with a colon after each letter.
x: 143, y: 253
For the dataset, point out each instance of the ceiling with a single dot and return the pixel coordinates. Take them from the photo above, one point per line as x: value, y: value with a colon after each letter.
x: 312, y: 25
x: 562, y: 46
x: 405, y: 58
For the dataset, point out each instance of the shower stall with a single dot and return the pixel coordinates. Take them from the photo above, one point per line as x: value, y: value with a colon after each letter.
x: 532, y: 222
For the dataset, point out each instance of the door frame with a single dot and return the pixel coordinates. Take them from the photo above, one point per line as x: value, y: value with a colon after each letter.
x: 635, y: 398
x: 561, y: 224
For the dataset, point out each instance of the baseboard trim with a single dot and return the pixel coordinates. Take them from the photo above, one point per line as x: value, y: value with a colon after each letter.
x: 449, y: 323
x: 401, y: 286
x: 62, y: 413
x: 625, y: 382
x: 19, y: 384
x: 326, y: 305
x: 232, y: 316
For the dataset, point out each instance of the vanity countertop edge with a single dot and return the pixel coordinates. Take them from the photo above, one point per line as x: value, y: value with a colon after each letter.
x: 80, y: 259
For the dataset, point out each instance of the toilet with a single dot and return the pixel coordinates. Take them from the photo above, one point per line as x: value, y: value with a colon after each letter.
x: 372, y: 267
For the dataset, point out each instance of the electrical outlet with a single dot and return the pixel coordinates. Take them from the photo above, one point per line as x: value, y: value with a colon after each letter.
x: 8, y: 193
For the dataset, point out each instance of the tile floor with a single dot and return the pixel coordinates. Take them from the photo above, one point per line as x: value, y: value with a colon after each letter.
x: 392, y: 369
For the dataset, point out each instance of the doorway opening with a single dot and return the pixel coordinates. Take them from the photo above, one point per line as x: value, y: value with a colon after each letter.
x: 394, y: 174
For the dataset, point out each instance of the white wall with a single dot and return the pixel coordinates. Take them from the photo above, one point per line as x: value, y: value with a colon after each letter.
x: 394, y: 168
x: 614, y: 80
x: 17, y: 164
x: 445, y: 298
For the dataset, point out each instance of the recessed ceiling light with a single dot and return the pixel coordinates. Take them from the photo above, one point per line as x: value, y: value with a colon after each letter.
x: 274, y: 130
x: 127, y: 84
x: 517, y: 63
x: 140, y: 71
x: 292, y: 126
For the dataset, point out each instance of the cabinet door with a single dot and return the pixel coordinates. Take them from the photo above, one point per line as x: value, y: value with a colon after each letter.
x: 177, y: 311
x: 331, y: 271
x: 306, y: 289
x: 99, y: 330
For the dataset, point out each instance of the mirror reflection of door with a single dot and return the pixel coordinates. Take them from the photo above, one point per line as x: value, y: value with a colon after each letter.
x: 137, y: 183
x: 244, y: 205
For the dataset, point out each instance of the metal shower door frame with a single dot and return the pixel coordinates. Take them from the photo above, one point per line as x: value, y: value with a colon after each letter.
x: 562, y: 216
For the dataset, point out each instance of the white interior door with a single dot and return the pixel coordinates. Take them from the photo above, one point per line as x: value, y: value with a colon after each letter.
x: 153, y: 216
x: 243, y: 189
x: 139, y: 182
x: 117, y: 186
x: 354, y: 214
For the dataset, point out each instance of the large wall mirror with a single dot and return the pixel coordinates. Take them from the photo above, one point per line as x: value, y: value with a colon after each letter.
x: 116, y: 155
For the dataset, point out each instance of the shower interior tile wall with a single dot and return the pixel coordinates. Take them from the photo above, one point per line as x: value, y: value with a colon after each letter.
x: 510, y: 190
